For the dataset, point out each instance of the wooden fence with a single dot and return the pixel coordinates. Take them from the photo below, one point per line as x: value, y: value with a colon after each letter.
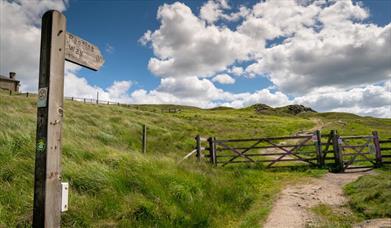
x: 331, y: 150
x: 98, y: 101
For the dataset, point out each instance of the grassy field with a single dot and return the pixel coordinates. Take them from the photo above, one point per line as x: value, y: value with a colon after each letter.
x: 370, y: 196
x: 113, y: 184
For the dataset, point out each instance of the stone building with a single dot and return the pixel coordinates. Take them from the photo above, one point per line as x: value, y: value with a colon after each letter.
x: 9, y: 83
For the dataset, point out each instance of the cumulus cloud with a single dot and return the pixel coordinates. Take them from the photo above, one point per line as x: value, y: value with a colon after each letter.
x: 186, y: 46
x: 236, y: 70
x: 304, y: 48
x: 223, y: 79
x: 20, y: 38
x: 78, y: 87
x: 372, y: 100
x: 211, y: 11
x: 317, y: 53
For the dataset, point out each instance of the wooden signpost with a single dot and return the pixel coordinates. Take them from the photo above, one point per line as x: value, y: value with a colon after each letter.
x: 82, y: 52
x: 56, y: 46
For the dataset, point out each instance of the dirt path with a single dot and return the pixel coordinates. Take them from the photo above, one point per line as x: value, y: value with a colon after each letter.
x: 291, y: 208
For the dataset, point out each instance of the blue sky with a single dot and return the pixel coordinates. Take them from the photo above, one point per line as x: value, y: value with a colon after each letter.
x: 120, y: 24
x: 332, y: 56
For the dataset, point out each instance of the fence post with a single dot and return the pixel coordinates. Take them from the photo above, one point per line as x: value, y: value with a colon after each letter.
x: 144, y: 138
x: 377, y: 149
x: 10, y: 92
x: 198, y: 147
x: 318, y: 147
x: 212, y: 150
x: 337, y: 152
x: 72, y: 99
x: 97, y: 97
x: 84, y: 100
x: 27, y: 94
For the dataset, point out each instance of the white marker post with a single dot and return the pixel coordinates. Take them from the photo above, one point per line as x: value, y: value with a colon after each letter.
x: 48, y: 202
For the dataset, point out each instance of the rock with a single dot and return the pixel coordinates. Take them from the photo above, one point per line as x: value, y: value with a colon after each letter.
x: 295, y: 109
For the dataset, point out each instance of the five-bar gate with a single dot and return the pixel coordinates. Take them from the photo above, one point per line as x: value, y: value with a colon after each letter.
x: 339, y: 153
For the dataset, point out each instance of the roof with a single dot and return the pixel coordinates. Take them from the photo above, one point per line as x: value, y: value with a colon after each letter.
x: 8, y: 79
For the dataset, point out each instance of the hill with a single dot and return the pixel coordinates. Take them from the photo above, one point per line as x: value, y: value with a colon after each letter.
x: 113, y: 184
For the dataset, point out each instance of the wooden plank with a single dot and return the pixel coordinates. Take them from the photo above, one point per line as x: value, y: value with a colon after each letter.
x: 263, y: 155
x: 235, y: 151
x: 240, y: 154
x: 187, y: 156
x: 351, y: 147
x: 318, y: 147
x: 261, y: 147
x: 359, y: 152
x: 82, y: 52
x: 259, y: 161
x: 352, y: 154
x: 288, y: 152
x: 359, y: 167
x: 264, y: 139
x: 337, y: 152
x: 357, y: 137
x: 364, y: 160
x: 212, y: 150
x: 47, y: 183
x: 328, y: 143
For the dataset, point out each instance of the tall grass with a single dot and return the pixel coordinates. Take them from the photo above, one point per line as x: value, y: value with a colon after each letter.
x: 370, y: 196
x: 113, y: 184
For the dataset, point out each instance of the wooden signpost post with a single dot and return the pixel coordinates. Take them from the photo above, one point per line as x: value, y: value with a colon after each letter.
x: 56, y: 46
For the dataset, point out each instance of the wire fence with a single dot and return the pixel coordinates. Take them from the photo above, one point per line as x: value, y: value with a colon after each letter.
x: 104, y: 102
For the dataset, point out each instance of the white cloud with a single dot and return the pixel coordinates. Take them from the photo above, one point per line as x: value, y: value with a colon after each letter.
x: 78, y: 87
x: 302, y: 47
x: 211, y: 11
x: 372, y: 100
x: 323, y: 53
x: 185, y: 46
x: 223, y: 79
x: 264, y: 96
x: 235, y: 70
x: 20, y: 38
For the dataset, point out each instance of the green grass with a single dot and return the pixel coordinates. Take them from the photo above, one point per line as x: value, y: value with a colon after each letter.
x: 332, y: 217
x: 370, y: 196
x: 113, y: 184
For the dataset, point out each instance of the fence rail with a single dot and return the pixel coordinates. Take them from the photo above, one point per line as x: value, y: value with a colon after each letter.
x: 104, y: 102
x: 339, y: 153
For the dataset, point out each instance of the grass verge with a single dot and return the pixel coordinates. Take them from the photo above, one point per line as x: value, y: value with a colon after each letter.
x: 370, y: 195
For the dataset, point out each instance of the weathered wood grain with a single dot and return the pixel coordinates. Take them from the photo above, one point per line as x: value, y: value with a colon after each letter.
x: 82, y: 52
x: 47, y: 185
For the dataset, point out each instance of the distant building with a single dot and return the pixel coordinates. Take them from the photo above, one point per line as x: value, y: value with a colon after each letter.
x: 9, y: 83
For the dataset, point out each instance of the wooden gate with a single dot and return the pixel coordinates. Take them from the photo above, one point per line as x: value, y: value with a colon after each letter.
x: 269, y: 151
x: 339, y: 153
x: 385, y: 149
x: 358, y: 152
